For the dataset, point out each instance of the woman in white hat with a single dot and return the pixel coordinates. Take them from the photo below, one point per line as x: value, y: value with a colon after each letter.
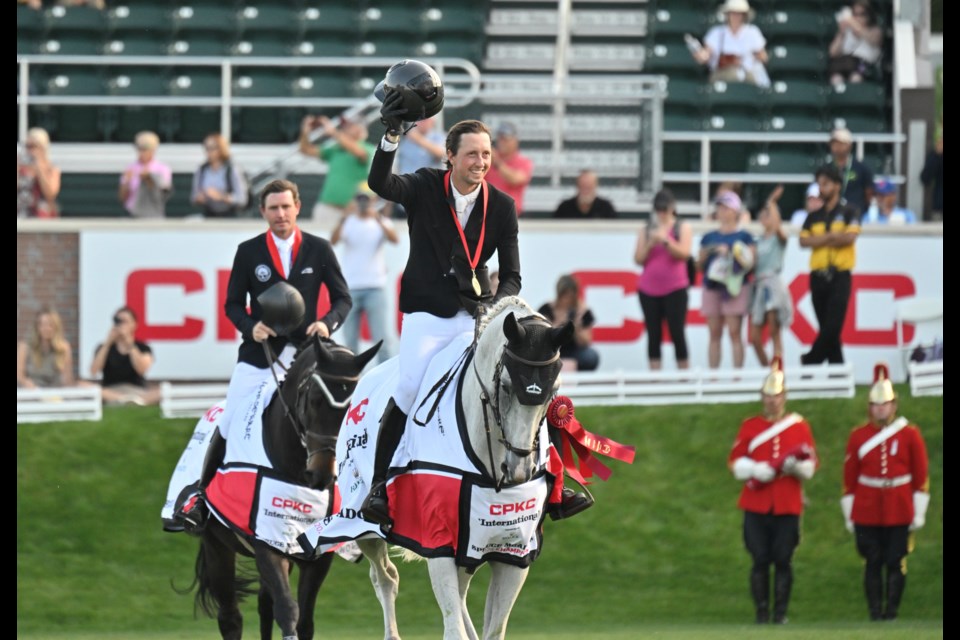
x: 736, y: 50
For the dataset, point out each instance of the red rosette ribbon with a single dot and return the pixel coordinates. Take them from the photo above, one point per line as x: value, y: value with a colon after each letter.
x: 575, y: 439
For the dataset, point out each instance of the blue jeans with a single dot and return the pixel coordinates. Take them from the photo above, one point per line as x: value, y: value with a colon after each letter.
x: 373, y: 302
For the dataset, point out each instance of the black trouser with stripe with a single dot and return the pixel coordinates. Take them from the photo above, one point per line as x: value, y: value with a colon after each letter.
x: 771, y: 540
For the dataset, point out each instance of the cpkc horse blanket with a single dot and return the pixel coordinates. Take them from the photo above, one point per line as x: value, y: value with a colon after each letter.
x: 442, y: 502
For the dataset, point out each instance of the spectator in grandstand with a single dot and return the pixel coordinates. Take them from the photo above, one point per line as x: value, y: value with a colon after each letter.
x: 855, y: 49
x: 219, y: 187
x: 771, y: 306
x: 146, y: 183
x: 830, y: 233
x: 33, y: 4
x: 586, y: 203
x: 857, y: 179
x: 95, y: 4
x: 568, y: 306
x: 122, y: 362
x: 38, y: 179
x: 664, y: 246
x: 885, y: 209
x: 45, y: 358
x: 811, y: 203
x: 886, y: 492
x: 736, y: 50
x: 932, y: 176
x: 773, y: 455
x: 511, y: 170
x: 744, y: 216
x: 362, y: 232
x: 727, y: 255
x: 348, y: 156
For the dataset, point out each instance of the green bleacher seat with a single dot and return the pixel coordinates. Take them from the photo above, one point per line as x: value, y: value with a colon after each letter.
x: 266, y: 125
x: 328, y: 45
x: 276, y: 18
x: 798, y: 93
x: 734, y: 120
x: 394, y: 18
x: 207, y: 17
x: 735, y: 96
x: 682, y: 119
x: 859, y: 121
x: 124, y: 122
x: 195, y: 81
x: 136, y: 44
x: 200, y: 44
x: 323, y: 82
x: 681, y: 156
x: 261, y: 82
x: 195, y: 123
x: 72, y: 19
x: 389, y: 45
x: 72, y: 123
x: 453, y: 46
x: 858, y: 94
x: 264, y: 44
x: 685, y: 92
x: 140, y: 18
x: 777, y: 159
x: 672, y: 58
x: 31, y: 27
x: 678, y: 20
x: 806, y: 59
x: 28, y: 43
x: 329, y: 17
x: 73, y: 44
x: 795, y: 25
x: 455, y: 17
x: 789, y: 120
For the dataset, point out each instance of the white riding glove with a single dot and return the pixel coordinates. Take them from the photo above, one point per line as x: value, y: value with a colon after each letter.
x: 763, y: 472
x: 802, y: 469
x: 846, y: 505
x: 921, y: 501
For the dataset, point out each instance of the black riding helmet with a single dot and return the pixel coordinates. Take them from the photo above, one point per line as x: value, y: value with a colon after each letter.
x: 282, y: 308
x: 419, y: 85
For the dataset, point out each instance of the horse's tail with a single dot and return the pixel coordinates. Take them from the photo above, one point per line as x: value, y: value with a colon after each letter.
x: 245, y: 584
x: 405, y: 555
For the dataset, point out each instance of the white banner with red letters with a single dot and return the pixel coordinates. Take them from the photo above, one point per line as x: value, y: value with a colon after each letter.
x: 175, y: 279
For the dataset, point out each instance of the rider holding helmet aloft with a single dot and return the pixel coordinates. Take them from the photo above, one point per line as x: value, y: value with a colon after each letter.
x: 456, y: 222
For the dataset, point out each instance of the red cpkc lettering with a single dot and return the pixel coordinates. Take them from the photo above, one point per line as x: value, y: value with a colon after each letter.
x: 512, y: 507
x: 286, y: 503
x: 356, y: 413
x: 212, y: 413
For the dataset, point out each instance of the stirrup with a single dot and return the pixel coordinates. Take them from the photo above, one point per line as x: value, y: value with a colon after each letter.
x: 193, y: 514
x: 571, y: 503
x: 375, y: 508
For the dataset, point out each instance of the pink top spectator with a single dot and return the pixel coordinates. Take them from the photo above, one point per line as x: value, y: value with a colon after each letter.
x: 161, y: 172
x: 662, y: 274
x: 517, y: 163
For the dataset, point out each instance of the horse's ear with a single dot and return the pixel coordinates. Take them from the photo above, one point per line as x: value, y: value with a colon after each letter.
x: 561, y: 335
x: 512, y: 329
x: 323, y: 354
x: 361, y: 360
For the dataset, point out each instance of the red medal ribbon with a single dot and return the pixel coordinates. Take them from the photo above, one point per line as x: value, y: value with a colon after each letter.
x: 275, y: 253
x: 576, y: 439
x: 475, y: 260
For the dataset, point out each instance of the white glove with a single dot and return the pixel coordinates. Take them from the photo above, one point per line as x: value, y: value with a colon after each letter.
x: 764, y: 472
x: 743, y: 468
x: 802, y: 469
x: 846, y: 505
x: 921, y: 501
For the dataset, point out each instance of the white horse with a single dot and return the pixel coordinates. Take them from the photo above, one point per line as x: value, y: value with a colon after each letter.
x: 505, y: 392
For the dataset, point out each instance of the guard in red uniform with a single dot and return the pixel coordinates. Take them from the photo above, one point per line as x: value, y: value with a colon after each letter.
x: 773, y: 455
x: 886, y: 492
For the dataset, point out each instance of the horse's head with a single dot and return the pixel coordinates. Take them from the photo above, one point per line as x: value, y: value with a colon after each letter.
x: 517, y: 364
x: 323, y: 388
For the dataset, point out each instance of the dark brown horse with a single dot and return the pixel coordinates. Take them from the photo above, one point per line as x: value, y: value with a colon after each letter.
x: 300, y: 428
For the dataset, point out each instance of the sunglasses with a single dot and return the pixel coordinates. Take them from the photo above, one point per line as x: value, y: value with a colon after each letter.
x: 140, y: 147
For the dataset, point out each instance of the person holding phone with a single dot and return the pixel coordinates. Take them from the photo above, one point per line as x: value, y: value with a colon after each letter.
x: 122, y: 362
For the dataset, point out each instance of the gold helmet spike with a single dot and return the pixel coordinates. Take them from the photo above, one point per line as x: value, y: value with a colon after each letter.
x: 882, y: 389
x: 773, y: 384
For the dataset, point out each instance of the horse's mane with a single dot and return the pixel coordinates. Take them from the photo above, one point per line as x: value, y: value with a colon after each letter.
x: 509, y: 303
x: 305, y: 356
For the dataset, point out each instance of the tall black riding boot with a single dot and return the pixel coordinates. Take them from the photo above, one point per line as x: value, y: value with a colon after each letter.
x: 896, y: 581
x: 782, y: 585
x: 760, y: 590
x: 375, y: 508
x: 571, y: 502
x: 193, y: 513
x: 873, y: 586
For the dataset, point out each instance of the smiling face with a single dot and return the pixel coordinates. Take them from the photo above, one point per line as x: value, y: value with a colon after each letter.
x: 471, y: 162
x: 280, y: 210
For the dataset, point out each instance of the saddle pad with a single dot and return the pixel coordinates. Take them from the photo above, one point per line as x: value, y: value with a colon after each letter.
x: 190, y: 465
x: 436, y: 491
x: 252, y: 502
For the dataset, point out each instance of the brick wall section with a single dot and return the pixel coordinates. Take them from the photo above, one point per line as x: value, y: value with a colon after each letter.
x: 48, y: 267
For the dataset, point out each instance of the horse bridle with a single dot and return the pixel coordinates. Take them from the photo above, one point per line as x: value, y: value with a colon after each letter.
x: 325, y: 443
x: 494, y: 403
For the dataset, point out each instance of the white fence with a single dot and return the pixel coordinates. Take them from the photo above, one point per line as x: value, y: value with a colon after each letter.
x: 926, y: 378
x: 59, y: 404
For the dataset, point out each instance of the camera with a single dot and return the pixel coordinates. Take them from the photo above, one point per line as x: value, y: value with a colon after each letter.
x: 117, y: 321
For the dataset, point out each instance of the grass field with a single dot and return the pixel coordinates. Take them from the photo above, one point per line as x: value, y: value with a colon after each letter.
x: 659, y: 556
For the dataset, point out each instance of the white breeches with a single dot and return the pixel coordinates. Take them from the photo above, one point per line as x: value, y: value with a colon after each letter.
x: 245, y: 380
x: 422, y: 336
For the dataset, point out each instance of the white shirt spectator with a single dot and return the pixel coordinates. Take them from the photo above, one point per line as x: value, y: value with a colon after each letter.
x: 361, y: 260
x: 748, y: 40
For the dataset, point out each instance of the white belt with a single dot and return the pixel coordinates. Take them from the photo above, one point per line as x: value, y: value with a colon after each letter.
x: 885, y: 483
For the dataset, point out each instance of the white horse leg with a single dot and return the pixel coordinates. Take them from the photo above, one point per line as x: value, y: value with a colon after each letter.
x: 386, y: 582
x: 505, y: 584
x: 446, y: 589
x: 464, y: 578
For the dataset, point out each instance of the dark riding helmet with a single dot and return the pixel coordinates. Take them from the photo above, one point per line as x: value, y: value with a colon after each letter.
x: 282, y: 308
x: 420, y: 86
